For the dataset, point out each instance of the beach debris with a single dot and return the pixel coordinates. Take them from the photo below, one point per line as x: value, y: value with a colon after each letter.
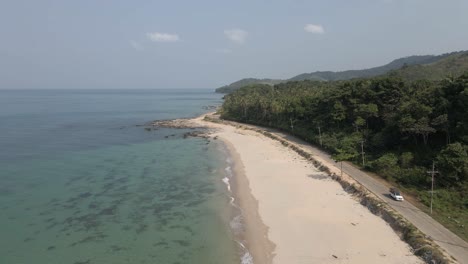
x: 334, y: 256
x: 354, y: 224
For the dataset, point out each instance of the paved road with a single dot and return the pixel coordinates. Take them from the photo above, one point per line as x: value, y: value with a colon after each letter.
x: 447, y: 240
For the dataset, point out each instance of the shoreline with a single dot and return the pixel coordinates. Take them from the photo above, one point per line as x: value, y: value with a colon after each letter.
x: 306, y: 216
x: 254, y: 233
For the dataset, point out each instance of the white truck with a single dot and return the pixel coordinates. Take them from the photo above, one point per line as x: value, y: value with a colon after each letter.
x: 396, y: 194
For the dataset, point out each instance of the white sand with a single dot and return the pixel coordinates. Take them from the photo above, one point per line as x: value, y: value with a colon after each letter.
x: 310, y: 218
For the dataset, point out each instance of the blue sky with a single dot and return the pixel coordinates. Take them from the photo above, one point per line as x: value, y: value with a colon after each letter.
x: 96, y: 44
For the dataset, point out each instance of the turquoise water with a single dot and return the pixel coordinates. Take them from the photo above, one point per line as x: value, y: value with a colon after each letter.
x: 82, y: 183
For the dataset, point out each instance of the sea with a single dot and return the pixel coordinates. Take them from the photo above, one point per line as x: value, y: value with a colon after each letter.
x: 82, y: 181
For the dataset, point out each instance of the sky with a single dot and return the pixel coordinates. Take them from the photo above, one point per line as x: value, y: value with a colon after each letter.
x: 121, y: 44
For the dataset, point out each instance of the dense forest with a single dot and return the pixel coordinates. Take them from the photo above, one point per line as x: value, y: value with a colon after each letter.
x: 402, y: 127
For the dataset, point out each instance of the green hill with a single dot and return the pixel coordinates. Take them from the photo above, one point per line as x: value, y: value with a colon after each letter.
x: 371, y: 72
x: 455, y: 64
x: 431, y: 67
x: 244, y: 82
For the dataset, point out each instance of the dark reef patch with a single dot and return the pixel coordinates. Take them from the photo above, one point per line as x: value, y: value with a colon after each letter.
x: 116, y: 248
x: 88, y: 261
x: 182, y: 243
x: 161, y: 244
x: 94, y: 238
x: 93, y: 205
x: 111, y: 210
x: 141, y: 228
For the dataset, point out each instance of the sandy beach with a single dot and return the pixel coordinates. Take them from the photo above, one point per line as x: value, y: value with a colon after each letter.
x: 296, y: 214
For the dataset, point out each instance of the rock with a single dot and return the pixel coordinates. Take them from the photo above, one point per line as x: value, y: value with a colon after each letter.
x: 196, y: 133
x: 174, y: 123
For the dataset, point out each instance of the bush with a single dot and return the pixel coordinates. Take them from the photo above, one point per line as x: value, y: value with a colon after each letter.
x: 386, y: 165
x: 415, y: 176
x: 406, y: 159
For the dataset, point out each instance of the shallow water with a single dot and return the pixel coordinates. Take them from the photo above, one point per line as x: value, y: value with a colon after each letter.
x: 81, y: 183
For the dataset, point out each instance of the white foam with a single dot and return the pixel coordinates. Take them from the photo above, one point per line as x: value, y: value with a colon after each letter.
x: 232, y: 202
x: 226, y: 181
x: 236, y: 225
x: 247, y: 258
x: 228, y: 170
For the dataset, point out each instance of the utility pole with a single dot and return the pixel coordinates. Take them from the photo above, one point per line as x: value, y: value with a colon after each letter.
x: 362, y: 152
x: 432, y: 172
x: 320, y: 136
x: 341, y: 168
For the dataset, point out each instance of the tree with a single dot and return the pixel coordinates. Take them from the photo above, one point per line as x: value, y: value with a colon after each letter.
x: 339, y: 112
x: 452, y: 163
x: 414, y: 119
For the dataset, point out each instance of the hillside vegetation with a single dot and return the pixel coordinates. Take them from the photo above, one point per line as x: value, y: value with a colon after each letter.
x: 452, y: 65
x: 371, y: 72
x: 244, y: 82
x: 409, y: 68
x: 403, y: 127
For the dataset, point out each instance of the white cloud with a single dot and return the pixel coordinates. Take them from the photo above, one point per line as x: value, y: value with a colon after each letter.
x: 225, y: 51
x: 136, y: 45
x: 237, y: 35
x: 316, y: 29
x: 162, y: 37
